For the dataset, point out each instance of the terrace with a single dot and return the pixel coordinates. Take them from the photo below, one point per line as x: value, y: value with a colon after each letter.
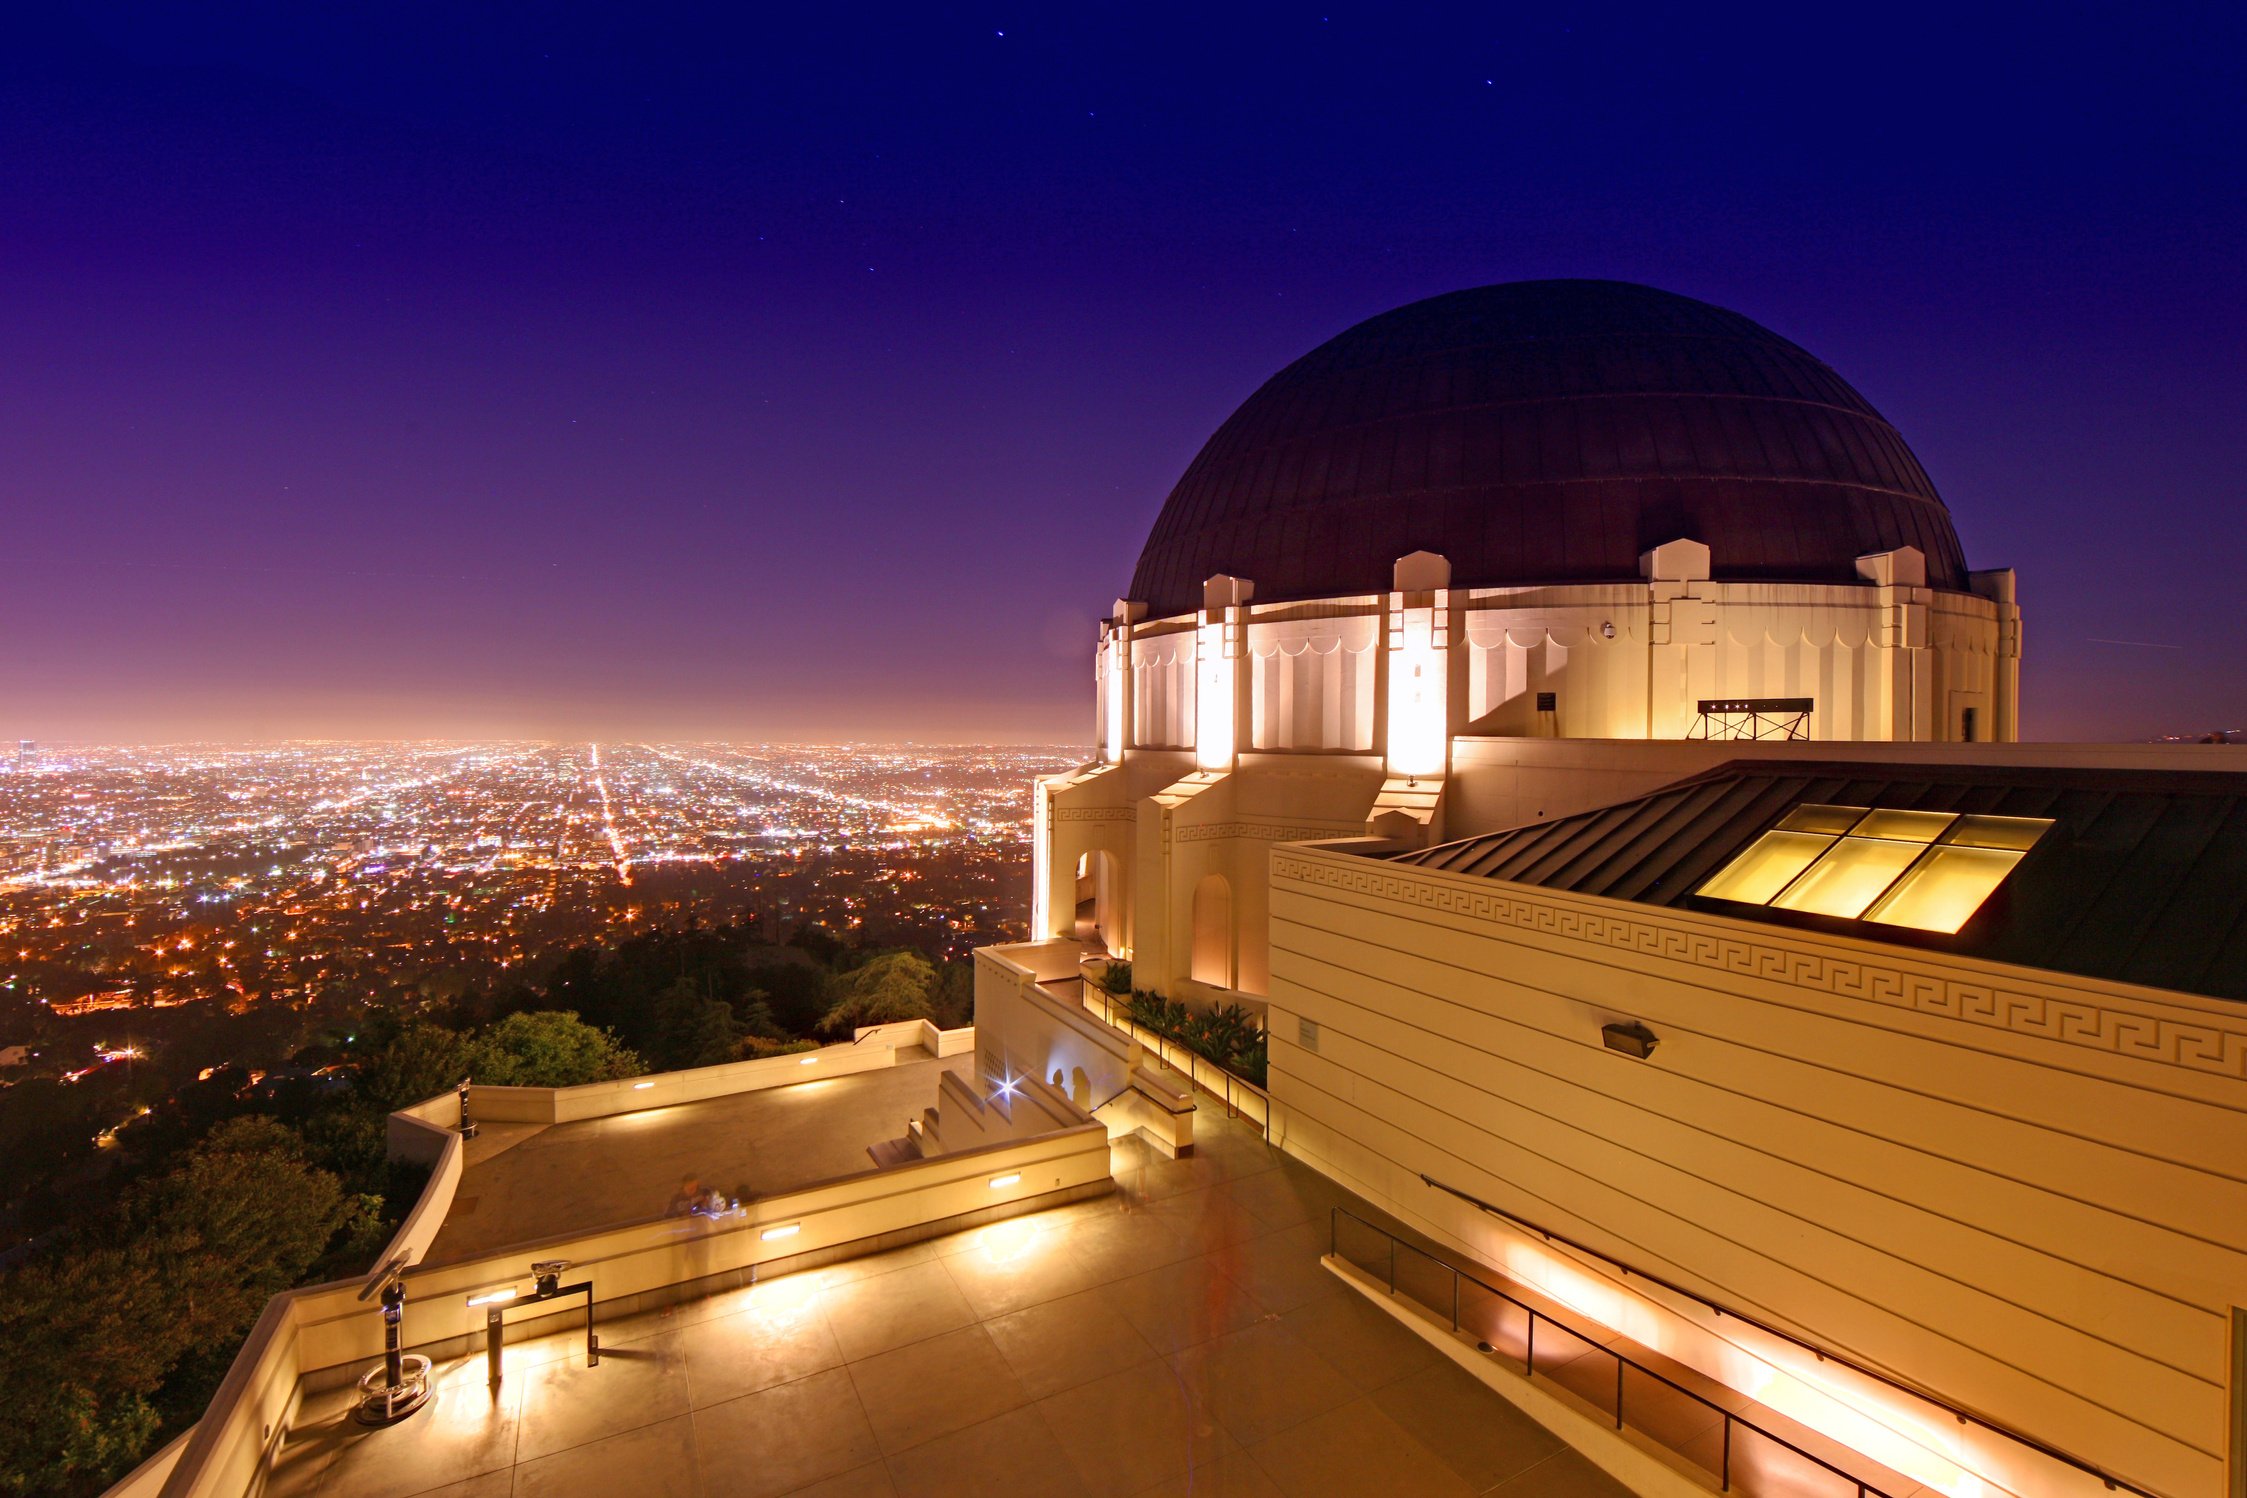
x: 1181, y: 1334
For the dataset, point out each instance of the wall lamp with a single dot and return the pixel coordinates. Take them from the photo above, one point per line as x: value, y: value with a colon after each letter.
x: 1631, y: 1038
x: 788, y: 1230
x: 1000, y: 1183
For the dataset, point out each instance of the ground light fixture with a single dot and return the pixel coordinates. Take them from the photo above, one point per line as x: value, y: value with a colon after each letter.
x: 641, y: 1086
x: 809, y: 1061
x: 785, y: 1230
x: 1630, y: 1037
x: 1011, y: 1178
x: 494, y: 1297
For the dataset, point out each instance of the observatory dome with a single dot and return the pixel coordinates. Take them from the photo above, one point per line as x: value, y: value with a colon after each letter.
x: 1544, y: 432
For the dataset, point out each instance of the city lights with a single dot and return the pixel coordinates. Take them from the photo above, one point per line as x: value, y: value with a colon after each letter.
x: 293, y: 874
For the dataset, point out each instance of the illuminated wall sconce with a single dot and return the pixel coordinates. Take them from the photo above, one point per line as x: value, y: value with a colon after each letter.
x: 641, y: 1086
x: 1631, y: 1038
x: 1000, y: 1183
x: 785, y: 1230
x: 809, y: 1061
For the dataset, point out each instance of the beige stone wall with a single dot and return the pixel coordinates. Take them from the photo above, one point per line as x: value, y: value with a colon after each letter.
x: 2025, y: 1192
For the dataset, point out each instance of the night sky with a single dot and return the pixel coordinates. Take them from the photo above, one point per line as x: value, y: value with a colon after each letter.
x: 367, y: 371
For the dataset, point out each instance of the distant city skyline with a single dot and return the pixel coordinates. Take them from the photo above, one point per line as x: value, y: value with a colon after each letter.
x: 787, y: 378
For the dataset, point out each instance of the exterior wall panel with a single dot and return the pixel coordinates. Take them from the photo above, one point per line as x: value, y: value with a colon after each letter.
x: 2035, y: 1209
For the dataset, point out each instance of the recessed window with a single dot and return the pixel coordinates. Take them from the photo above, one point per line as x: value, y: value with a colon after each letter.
x: 1930, y: 870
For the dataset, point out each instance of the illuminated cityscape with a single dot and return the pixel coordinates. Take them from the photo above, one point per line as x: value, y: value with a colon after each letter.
x: 144, y: 879
x: 1267, y: 752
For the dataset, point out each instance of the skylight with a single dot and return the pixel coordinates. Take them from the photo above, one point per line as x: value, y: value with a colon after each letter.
x: 1930, y: 870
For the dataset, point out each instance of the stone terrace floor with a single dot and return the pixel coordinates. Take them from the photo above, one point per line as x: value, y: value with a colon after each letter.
x: 1180, y: 1336
x: 531, y: 1183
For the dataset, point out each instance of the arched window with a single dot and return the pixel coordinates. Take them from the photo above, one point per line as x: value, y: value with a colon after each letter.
x: 1099, y: 884
x: 1213, y: 932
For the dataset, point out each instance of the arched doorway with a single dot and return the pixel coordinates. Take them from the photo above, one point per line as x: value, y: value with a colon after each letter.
x: 1212, y: 961
x: 1099, y: 884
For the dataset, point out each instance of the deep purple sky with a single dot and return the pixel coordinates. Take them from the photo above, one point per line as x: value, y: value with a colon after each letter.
x: 380, y: 371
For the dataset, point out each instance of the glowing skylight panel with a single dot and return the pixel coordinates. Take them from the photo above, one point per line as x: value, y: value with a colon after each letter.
x: 1768, y: 867
x: 1854, y: 872
x: 1928, y: 870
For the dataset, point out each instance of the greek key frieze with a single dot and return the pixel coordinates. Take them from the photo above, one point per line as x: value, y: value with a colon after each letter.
x: 2067, y: 1019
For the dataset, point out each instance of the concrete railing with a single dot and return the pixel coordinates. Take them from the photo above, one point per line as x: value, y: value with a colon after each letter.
x: 329, y: 1326
x: 874, y: 1049
x: 147, y: 1480
x: 325, y: 1327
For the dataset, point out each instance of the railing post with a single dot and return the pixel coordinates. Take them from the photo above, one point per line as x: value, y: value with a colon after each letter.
x: 1455, y: 1301
x: 1529, y: 1358
x: 1726, y: 1474
x: 1619, y: 1365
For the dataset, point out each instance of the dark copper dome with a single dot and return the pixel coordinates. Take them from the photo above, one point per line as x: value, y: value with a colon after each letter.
x: 1544, y: 432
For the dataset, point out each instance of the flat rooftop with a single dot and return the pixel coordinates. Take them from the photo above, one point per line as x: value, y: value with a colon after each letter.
x: 1179, y: 1335
x: 529, y: 1183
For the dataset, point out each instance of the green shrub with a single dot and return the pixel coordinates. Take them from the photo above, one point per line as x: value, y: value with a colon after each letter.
x: 1227, y: 1035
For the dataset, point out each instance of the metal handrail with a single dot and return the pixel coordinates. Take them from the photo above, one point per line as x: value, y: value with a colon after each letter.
x: 1529, y: 1361
x: 1823, y: 1354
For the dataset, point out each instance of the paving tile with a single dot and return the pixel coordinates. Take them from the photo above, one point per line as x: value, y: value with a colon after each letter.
x: 1067, y: 1342
x: 568, y: 1404
x: 1365, y: 1342
x: 888, y: 1261
x: 1014, y: 1454
x: 1234, y: 1475
x: 1472, y: 1430
x: 1181, y: 1304
x: 491, y: 1485
x: 656, y: 1458
x: 784, y: 1438
x: 770, y: 1343
x: 1355, y: 1449
x: 1123, y: 1242
x: 465, y: 1430
x: 871, y: 1481
x: 1209, y: 1218
x: 1289, y: 1195
x: 1259, y: 1381
x: 1007, y: 1271
x: 931, y: 1388
x: 1564, y: 1474
x: 885, y: 1311
x: 1154, y: 1177
x: 1132, y: 1428
x: 1284, y: 1269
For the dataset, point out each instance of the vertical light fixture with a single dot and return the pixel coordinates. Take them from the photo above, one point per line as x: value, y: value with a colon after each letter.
x: 1117, y: 660
x: 1218, y: 646
x: 1419, y: 630
x: 1418, y: 692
